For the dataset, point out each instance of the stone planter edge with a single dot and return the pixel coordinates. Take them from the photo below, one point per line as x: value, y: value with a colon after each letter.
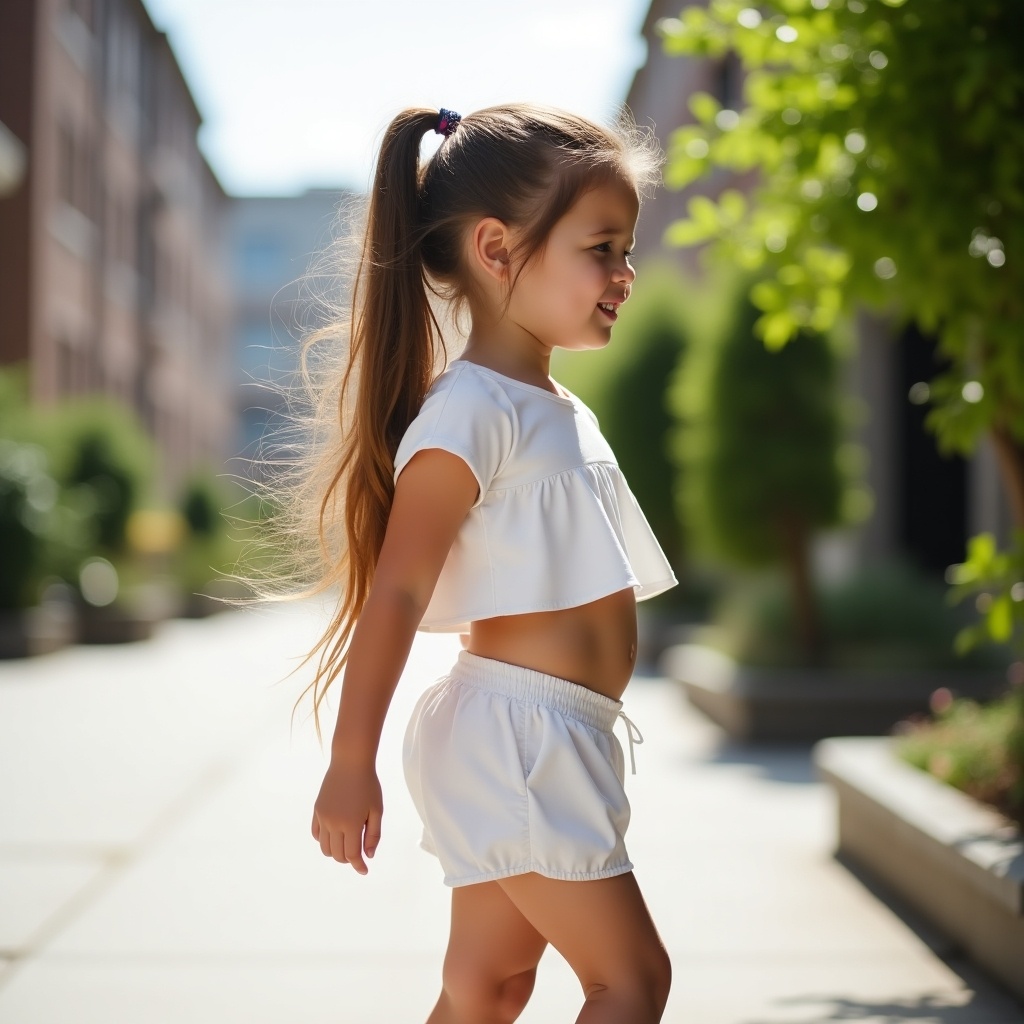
x: 753, y: 703
x: 959, y: 862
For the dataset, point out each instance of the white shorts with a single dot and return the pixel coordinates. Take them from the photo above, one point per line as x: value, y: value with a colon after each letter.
x: 513, y: 770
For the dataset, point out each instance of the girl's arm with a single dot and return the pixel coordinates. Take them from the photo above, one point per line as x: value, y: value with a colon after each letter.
x: 433, y: 495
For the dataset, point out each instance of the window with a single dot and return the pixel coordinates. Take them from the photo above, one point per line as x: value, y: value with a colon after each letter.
x: 66, y: 163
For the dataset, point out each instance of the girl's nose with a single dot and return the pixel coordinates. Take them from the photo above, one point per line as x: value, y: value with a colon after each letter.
x: 624, y: 272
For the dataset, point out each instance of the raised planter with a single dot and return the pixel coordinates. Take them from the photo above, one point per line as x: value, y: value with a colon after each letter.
x: 200, y: 605
x: 790, y: 705
x: 216, y: 596
x: 39, y: 630
x: 114, y: 624
x: 959, y: 862
x: 657, y: 630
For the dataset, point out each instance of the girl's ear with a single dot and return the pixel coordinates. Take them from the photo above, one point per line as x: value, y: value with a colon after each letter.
x: 489, y: 244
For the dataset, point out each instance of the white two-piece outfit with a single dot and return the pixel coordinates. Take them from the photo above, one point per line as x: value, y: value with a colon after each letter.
x: 513, y: 770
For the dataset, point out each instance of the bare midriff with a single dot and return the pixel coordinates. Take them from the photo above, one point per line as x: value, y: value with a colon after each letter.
x: 592, y: 644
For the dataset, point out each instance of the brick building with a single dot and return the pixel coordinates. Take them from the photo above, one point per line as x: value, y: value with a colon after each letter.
x: 114, y: 276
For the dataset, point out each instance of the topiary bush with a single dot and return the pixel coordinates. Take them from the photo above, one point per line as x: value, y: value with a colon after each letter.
x: 760, y: 444
x: 883, y: 617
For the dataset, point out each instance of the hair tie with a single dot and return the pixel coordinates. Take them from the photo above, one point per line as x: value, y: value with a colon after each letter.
x: 447, y: 122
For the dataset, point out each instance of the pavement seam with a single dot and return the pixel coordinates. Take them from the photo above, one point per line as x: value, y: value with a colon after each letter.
x: 117, y: 860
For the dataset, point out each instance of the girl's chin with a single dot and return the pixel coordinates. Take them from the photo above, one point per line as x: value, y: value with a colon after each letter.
x: 585, y: 344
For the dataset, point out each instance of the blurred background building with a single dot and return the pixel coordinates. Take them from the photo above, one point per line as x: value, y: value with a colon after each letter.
x: 274, y: 243
x: 114, y: 272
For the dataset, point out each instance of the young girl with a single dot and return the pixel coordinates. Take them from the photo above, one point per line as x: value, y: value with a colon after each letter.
x: 484, y: 500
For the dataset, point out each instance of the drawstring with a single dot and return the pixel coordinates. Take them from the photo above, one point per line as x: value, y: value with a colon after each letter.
x: 638, y: 738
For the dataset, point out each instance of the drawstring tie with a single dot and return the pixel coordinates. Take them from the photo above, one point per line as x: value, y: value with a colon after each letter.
x: 634, y: 735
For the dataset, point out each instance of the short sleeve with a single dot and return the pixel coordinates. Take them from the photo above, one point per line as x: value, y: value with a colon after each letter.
x: 468, y: 417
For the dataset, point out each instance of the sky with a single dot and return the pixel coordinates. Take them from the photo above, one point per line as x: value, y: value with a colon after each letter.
x: 297, y: 93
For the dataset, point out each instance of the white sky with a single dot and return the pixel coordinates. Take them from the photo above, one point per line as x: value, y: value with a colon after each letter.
x: 297, y: 93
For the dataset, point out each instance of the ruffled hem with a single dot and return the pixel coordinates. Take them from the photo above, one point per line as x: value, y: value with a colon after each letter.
x: 558, y: 542
x: 643, y: 591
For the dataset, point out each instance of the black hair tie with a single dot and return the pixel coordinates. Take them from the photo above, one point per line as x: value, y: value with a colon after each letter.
x: 447, y: 122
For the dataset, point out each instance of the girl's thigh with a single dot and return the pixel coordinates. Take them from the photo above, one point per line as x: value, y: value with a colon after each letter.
x: 602, y: 927
x: 489, y: 935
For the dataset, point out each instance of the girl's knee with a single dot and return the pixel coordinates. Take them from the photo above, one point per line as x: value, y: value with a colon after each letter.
x: 661, y: 977
x: 641, y: 986
x: 477, y: 996
x: 516, y: 992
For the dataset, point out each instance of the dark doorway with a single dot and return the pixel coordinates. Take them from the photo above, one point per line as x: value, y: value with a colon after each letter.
x: 932, y: 511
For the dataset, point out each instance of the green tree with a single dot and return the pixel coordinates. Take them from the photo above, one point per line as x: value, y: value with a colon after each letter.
x: 888, y: 137
x: 763, y: 459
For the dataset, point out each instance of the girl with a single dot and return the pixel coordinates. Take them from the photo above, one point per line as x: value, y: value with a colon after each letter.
x: 484, y: 500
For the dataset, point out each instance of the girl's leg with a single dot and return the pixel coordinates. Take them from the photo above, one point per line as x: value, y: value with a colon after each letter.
x: 491, y: 962
x: 605, y: 932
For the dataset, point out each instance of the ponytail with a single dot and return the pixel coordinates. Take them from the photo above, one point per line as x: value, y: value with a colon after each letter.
x: 392, y: 354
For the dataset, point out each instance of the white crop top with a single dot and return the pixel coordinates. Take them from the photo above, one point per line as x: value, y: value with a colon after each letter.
x: 555, y: 524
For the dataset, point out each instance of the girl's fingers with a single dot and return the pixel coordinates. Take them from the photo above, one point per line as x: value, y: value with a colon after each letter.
x: 333, y: 844
x: 354, y: 852
x: 371, y: 838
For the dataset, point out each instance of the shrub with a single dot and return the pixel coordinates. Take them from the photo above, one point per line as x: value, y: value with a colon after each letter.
x: 761, y: 450
x: 978, y: 748
x: 883, y: 617
x: 27, y: 497
x: 220, y: 517
x: 103, y: 449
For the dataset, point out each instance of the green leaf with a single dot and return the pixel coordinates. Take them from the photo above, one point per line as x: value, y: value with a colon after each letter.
x: 704, y: 107
x: 776, y: 328
x: 704, y: 211
x: 732, y: 205
x: 767, y: 296
x: 684, y: 233
x: 981, y: 550
x: 1000, y: 618
x: 682, y: 171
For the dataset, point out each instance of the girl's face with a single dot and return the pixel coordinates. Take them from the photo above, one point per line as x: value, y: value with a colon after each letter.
x: 584, y: 266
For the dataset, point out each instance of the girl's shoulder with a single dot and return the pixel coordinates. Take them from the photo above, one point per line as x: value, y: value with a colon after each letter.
x: 467, y: 390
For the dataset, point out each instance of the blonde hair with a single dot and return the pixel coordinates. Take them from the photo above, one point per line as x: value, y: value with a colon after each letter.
x: 366, y: 367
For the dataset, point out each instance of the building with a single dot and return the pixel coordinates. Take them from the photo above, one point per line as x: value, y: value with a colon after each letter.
x: 275, y: 244
x: 114, y: 278
x: 926, y: 505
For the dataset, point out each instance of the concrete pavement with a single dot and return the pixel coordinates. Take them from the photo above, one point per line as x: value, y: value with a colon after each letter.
x: 156, y: 864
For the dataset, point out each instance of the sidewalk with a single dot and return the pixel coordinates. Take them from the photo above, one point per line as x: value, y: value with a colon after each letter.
x: 156, y: 863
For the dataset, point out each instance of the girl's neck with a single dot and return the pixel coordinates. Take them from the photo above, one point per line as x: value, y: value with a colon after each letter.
x: 531, y: 367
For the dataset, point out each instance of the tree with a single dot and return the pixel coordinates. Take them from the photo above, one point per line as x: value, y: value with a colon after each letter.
x: 760, y: 443
x: 888, y: 137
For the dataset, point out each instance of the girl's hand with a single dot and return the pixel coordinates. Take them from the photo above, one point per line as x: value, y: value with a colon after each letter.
x: 347, y: 814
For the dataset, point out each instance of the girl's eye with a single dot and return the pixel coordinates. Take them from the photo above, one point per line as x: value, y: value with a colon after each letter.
x: 606, y: 247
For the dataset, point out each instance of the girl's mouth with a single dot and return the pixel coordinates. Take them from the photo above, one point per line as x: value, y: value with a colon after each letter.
x: 609, y: 311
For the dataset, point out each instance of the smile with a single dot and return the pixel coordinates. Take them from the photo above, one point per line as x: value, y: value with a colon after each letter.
x: 608, y: 308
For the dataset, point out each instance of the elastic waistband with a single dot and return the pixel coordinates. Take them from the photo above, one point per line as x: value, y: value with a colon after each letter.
x: 568, y: 698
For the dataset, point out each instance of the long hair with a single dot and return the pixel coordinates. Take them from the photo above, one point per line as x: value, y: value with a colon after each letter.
x: 366, y: 371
